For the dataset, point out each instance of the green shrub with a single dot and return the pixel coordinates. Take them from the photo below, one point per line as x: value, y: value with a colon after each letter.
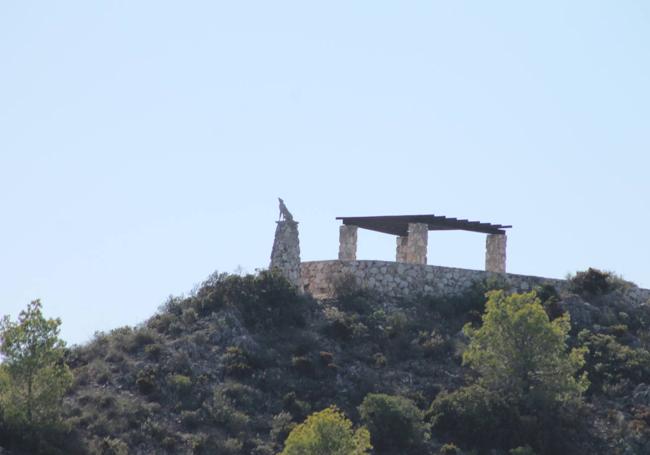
x: 352, y: 297
x: 475, y: 415
x: 468, y: 305
x: 298, y: 408
x: 146, y: 381
x: 449, y: 449
x: 326, y: 358
x: 327, y: 432
x: 592, y: 282
x: 237, y: 363
x: 379, y: 359
x: 432, y: 343
x: 303, y: 365
x: 281, y: 426
x: 181, y: 384
x: 394, y: 422
x: 110, y: 446
x: 154, y: 351
x: 613, y: 367
x: 191, y: 419
x: 265, y: 301
x: 224, y: 411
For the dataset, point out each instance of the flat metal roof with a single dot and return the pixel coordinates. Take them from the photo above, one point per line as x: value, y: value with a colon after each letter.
x: 398, y: 224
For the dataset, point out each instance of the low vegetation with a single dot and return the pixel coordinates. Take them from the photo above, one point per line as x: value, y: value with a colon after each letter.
x: 246, y: 365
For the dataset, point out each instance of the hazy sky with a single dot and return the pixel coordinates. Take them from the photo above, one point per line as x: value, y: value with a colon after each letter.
x: 143, y: 144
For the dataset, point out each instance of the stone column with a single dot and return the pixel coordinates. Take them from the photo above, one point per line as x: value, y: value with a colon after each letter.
x: 418, y: 238
x: 402, y: 243
x: 495, y: 253
x: 285, y: 256
x: 348, y: 242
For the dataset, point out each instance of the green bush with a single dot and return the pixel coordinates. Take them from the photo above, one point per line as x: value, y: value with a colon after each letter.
x: 281, y: 426
x: 237, y: 362
x: 613, y: 367
x: 449, y: 449
x: 475, y: 415
x: 265, y: 301
x: 180, y: 384
x: 394, y: 422
x: 110, y: 446
x: 146, y: 381
x: 327, y: 432
x: 592, y: 282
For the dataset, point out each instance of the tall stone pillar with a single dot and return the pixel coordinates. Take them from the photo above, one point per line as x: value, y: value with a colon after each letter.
x: 495, y: 253
x: 285, y: 256
x: 348, y: 242
x: 402, y: 243
x: 418, y: 239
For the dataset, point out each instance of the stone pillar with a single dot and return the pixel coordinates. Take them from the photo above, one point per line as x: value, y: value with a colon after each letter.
x: 348, y: 242
x: 495, y: 253
x: 402, y: 243
x: 285, y: 256
x: 418, y: 238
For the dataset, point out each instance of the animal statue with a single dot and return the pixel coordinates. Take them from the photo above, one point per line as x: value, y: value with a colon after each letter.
x: 284, y: 211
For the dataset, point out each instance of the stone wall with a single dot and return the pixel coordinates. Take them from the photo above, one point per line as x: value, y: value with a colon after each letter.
x: 403, y: 279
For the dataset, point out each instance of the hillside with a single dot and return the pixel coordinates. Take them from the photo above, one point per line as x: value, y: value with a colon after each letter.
x: 232, y: 368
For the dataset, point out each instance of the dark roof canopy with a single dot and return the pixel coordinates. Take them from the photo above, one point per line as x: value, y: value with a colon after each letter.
x: 398, y: 225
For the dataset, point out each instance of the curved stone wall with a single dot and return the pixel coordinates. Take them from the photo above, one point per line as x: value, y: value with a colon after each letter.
x: 400, y: 279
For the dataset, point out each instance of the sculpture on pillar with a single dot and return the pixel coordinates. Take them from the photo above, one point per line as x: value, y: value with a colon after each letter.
x: 285, y: 256
x: 284, y: 211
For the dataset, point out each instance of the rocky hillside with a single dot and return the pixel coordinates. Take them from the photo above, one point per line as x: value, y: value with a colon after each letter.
x: 232, y: 369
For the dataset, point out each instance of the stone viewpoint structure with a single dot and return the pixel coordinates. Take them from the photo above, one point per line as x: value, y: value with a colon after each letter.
x: 285, y: 256
x: 409, y: 275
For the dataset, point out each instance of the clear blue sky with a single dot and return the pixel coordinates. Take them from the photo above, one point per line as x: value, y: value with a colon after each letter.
x: 143, y: 144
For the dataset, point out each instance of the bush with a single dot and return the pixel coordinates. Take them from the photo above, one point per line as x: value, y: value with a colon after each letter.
x: 109, y: 446
x: 265, y: 301
x: 281, y: 426
x: 612, y: 367
x: 394, y: 422
x: 146, y: 381
x: 237, y: 362
x: 327, y: 432
x: 181, y: 384
x: 449, y: 449
x: 593, y: 282
x: 475, y: 415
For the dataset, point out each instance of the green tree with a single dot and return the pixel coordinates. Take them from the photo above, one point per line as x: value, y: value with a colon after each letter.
x: 395, y: 423
x: 522, y: 355
x: 327, y: 432
x: 33, y: 373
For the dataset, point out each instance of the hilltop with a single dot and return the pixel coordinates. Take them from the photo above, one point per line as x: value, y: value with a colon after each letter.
x: 234, y: 367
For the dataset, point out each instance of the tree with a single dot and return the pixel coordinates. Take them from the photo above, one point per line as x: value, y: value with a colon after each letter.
x: 33, y: 373
x: 395, y: 423
x: 522, y: 355
x: 327, y: 432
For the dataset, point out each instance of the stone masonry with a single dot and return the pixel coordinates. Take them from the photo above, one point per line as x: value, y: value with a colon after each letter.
x: 416, y: 247
x: 402, y: 243
x: 495, y: 253
x: 403, y: 280
x: 348, y: 242
x: 285, y: 256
